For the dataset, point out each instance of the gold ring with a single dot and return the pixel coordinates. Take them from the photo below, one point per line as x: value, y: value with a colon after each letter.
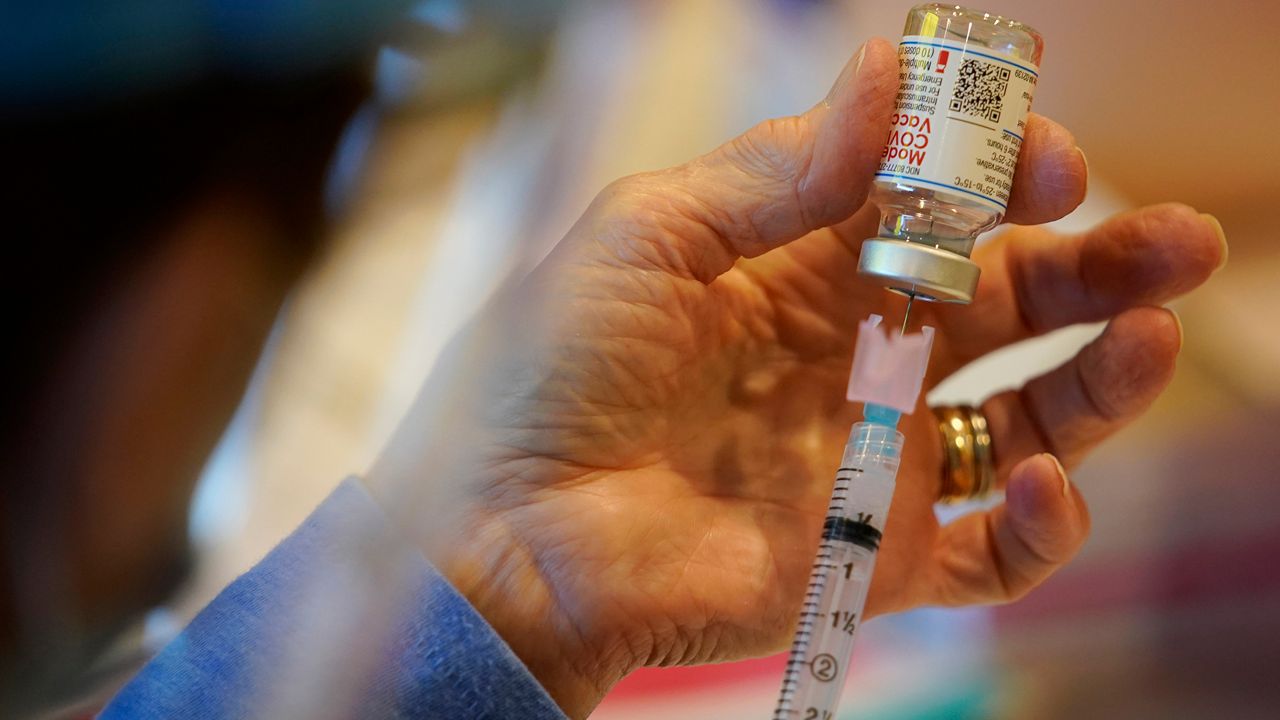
x: 968, y: 462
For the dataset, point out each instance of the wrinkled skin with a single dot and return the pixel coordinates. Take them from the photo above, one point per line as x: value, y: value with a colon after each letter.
x: 663, y: 424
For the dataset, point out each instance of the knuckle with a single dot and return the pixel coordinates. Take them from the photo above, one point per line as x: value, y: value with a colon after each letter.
x: 634, y: 203
x: 622, y: 193
x: 651, y: 220
x: 766, y: 151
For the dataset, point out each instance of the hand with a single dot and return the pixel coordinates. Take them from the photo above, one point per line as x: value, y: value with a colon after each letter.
x: 659, y: 436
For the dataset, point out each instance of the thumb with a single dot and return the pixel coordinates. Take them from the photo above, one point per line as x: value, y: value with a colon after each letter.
x: 774, y: 183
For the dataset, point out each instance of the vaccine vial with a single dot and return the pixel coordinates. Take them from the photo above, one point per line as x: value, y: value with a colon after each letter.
x: 966, y: 82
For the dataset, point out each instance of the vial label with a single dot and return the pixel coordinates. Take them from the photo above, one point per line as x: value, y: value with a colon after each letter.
x: 959, y: 120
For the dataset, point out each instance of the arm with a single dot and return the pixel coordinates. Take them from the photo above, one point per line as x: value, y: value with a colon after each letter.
x: 342, y: 619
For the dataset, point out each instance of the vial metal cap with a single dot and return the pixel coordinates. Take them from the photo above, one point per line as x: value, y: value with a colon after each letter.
x: 926, y: 271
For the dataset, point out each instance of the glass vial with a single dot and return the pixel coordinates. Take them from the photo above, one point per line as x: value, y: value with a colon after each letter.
x: 966, y: 83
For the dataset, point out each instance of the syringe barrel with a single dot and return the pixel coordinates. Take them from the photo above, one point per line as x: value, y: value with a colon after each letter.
x: 833, y: 602
x: 872, y: 454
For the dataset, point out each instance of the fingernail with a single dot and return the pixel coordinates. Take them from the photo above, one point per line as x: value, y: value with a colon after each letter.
x: 1178, y: 322
x: 1222, y: 238
x: 1084, y: 159
x: 850, y: 70
x: 1062, y: 475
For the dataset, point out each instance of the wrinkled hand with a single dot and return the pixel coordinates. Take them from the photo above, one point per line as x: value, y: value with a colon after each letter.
x: 660, y: 444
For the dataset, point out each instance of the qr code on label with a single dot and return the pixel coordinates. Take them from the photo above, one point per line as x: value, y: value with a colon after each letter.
x: 980, y: 90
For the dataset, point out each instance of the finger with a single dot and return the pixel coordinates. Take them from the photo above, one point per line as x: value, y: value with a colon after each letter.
x: 1050, y: 182
x: 1034, y: 280
x: 1000, y: 555
x: 1051, y: 177
x: 778, y: 181
x: 1111, y: 381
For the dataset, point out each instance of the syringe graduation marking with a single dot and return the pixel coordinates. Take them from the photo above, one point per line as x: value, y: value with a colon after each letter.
x: 838, y: 527
x: 838, y: 493
x: 835, y: 528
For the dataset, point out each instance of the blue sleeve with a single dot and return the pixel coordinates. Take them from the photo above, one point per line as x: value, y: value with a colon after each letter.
x: 342, y: 619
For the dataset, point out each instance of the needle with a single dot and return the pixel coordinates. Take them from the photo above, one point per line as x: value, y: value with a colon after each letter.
x: 911, y: 298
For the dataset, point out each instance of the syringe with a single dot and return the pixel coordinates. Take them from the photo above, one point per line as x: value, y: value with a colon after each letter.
x: 833, y: 602
x: 889, y: 370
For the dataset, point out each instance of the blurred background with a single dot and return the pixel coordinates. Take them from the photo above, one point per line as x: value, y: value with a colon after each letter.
x: 490, y: 126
